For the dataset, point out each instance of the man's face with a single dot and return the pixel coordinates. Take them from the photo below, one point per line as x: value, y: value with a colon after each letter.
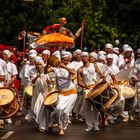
x: 92, y: 59
x: 78, y: 56
x: 109, y: 61
x: 45, y: 57
x: 85, y: 58
x: 5, y: 56
x: 66, y: 60
x: 128, y: 54
x: 63, y: 22
x: 108, y: 50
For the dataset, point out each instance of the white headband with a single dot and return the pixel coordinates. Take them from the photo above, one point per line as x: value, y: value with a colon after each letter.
x: 138, y: 50
x: 77, y: 51
x: 46, y: 52
x: 7, y: 52
x: 32, y: 51
x: 109, y: 46
x: 85, y: 54
x: 40, y: 60
x: 109, y: 56
x: 33, y: 55
x: 127, y: 49
x: 95, y: 55
x: 101, y: 53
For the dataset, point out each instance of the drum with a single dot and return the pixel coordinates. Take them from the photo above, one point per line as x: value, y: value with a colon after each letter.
x: 101, y: 96
x: 27, y: 97
x: 117, y: 107
x: 8, y: 103
x: 51, y: 99
x: 129, y: 93
x: 53, y: 61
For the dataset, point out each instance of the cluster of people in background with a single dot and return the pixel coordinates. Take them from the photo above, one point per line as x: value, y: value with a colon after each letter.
x: 73, y: 78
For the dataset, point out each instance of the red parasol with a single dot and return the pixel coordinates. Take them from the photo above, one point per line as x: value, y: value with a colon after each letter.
x: 4, y: 47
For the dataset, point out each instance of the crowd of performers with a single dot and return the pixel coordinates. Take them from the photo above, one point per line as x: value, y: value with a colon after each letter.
x: 72, y: 78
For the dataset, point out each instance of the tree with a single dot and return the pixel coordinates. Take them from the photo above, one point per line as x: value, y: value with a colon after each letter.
x: 106, y: 20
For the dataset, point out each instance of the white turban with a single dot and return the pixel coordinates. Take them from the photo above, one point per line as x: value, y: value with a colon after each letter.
x: 37, y: 58
x: 125, y: 46
x: 138, y: 50
x: 57, y: 54
x: 109, y: 56
x: 32, y: 52
x: 85, y: 54
x: 40, y: 60
x: 127, y: 49
x: 101, y: 53
x: 46, y: 52
x: 109, y: 46
x: 70, y: 54
x: 95, y: 55
x: 66, y: 54
x: 7, y: 52
x: 103, y: 57
x: 77, y: 51
x: 116, y: 49
x: 33, y: 55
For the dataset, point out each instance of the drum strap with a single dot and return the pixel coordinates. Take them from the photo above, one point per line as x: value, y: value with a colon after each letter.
x: 92, y: 76
x: 98, y: 70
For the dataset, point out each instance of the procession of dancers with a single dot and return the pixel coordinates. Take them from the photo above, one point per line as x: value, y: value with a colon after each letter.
x: 57, y: 88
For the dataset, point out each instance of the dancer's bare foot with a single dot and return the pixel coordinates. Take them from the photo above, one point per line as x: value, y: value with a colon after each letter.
x: 61, y: 132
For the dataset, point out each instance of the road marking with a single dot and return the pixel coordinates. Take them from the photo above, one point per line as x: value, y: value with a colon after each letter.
x: 7, y: 135
x: 18, y: 122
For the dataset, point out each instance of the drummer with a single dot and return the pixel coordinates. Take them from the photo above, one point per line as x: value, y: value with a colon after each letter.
x: 135, y: 77
x: 11, y: 73
x: 76, y: 64
x: 26, y: 77
x: 110, y: 71
x: 2, y: 78
x: 87, y: 78
x: 126, y: 60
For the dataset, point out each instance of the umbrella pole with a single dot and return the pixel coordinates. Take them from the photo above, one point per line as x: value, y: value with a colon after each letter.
x: 24, y: 43
x: 82, y: 33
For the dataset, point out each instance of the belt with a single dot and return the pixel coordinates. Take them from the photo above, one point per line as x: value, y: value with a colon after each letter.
x: 68, y: 92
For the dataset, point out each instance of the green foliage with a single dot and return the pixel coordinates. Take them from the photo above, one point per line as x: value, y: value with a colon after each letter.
x: 106, y: 20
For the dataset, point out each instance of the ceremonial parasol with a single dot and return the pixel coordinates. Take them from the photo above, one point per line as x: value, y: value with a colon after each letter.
x: 4, y: 47
x: 54, y: 40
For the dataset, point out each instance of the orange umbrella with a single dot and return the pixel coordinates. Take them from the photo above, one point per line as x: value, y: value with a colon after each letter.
x: 55, y: 39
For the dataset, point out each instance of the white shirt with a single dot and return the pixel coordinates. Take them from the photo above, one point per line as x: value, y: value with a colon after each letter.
x: 89, y: 75
x: 11, y: 70
x: 110, y: 70
x: 122, y: 63
x: 63, y: 79
x: 2, y: 74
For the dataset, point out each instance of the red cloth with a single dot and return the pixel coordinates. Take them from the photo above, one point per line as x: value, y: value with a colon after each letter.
x: 17, y: 85
x: 14, y: 58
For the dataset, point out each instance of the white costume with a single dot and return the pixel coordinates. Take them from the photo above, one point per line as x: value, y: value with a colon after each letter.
x: 2, y: 74
x: 91, y: 115
x: 66, y: 98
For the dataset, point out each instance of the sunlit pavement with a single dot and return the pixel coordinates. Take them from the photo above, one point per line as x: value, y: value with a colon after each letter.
x: 20, y: 129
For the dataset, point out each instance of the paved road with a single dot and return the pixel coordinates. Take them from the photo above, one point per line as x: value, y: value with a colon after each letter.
x: 22, y: 130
